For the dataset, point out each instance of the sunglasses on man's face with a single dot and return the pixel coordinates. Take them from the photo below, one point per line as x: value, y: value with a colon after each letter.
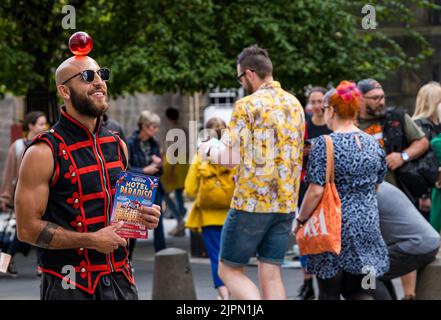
x: 241, y: 75
x: 89, y: 75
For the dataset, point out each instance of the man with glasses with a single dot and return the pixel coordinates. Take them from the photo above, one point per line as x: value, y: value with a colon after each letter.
x: 65, y: 194
x: 266, y: 131
x: 412, y: 242
x: 402, y: 139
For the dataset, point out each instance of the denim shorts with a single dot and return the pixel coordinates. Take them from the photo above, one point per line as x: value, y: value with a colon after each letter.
x: 247, y: 234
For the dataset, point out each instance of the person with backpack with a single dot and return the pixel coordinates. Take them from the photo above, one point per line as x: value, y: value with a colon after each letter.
x: 212, y: 185
x: 403, y: 142
x: 33, y: 123
x: 396, y: 132
x: 426, y: 116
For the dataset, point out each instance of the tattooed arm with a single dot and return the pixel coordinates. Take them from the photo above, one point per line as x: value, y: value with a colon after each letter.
x: 31, y: 199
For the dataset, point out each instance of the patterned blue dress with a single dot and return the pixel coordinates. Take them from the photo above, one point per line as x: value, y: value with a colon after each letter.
x: 357, y: 171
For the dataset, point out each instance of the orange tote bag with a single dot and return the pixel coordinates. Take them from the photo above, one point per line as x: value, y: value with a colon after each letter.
x: 322, y: 231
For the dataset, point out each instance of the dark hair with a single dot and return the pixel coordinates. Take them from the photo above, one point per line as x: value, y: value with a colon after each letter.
x: 216, y: 125
x: 172, y: 113
x: 31, y: 118
x: 255, y: 59
x: 315, y: 89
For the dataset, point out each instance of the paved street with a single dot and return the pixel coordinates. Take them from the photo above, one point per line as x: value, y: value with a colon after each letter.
x: 26, y: 286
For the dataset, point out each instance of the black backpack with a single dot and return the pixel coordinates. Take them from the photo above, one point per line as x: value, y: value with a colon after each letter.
x: 415, y: 177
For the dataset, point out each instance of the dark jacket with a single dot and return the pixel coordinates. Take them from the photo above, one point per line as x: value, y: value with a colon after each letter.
x: 114, y: 126
x: 137, y: 159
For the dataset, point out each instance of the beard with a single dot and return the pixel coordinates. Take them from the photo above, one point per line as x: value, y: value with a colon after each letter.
x: 376, y: 113
x: 248, y: 87
x: 86, y: 106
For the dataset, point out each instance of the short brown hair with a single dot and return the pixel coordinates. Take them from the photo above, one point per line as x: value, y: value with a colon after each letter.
x: 255, y: 59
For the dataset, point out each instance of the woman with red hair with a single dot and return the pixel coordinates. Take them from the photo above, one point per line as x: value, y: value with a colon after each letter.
x: 360, y: 166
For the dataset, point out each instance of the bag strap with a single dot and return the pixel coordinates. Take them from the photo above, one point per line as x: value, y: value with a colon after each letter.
x: 329, y: 160
x: 19, y: 147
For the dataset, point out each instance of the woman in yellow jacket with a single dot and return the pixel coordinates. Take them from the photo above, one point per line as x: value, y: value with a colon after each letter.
x: 212, y: 186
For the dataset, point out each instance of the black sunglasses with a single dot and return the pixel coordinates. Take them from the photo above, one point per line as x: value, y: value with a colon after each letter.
x: 89, y: 75
x: 241, y: 75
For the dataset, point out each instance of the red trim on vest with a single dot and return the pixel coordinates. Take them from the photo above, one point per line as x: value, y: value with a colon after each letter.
x: 72, y: 175
x: 39, y: 137
x: 95, y: 167
x: 75, y: 121
x: 108, y: 139
x: 92, y: 196
x: 98, y: 267
x: 91, y: 290
x: 78, y: 223
x: 121, y: 266
x: 75, y: 200
x: 77, y: 285
x: 112, y: 256
x: 95, y: 220
x: 56, y: 175
x: 88, y: 169
x: 62, y: 151
x: 83, y: 227
x: 103, y: 187
x: 80, y: 145
x: 54, y: 179
x: 115, y: 164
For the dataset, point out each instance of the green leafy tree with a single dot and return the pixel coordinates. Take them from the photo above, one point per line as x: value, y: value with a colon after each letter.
x: 191, y: 45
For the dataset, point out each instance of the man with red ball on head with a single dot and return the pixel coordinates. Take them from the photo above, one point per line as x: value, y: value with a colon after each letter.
x: 65, y: 194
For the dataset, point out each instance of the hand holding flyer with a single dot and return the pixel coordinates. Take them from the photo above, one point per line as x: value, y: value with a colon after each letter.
x: 133, y: 191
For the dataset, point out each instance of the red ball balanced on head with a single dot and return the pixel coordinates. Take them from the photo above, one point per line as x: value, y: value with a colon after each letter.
x: 80, y: 43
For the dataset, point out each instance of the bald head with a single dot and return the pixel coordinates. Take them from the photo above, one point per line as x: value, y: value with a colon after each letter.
x: 81, y: 97
x: 72, y: 66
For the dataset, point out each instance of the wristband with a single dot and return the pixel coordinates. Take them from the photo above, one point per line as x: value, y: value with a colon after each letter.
x: 300, y: 222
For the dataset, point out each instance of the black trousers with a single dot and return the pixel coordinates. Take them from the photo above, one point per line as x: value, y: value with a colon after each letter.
x: 114, y: 286
x: 344, y: 284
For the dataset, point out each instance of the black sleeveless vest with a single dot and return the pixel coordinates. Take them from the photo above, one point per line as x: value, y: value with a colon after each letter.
x: 81, y: 195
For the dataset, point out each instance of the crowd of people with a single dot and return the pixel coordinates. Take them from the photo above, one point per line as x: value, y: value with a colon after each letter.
x: 255, y: 183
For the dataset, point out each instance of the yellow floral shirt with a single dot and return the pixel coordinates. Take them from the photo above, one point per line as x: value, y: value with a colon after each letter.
x: 269, y: 125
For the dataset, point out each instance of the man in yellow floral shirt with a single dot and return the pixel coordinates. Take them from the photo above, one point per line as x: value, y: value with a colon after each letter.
x: 265, y: 136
